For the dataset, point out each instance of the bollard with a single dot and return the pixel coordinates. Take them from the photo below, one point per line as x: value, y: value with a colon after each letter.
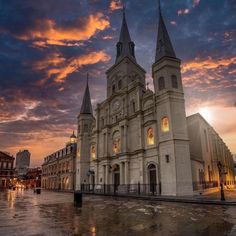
x: 78, y: 199
x: 38, y: 190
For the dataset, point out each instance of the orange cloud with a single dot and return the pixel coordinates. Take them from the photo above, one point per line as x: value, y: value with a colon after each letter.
x: 57, y: 66
x: 48, y: 32
x: 115, y: 5
x: 208, y: 63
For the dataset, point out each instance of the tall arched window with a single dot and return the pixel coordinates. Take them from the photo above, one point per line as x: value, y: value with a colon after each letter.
x: 93, y: 152
x: 165, y: 127
x: 174, y: 81
x: 116, y: 142
x: 150, y: 136
x: 161, y: 83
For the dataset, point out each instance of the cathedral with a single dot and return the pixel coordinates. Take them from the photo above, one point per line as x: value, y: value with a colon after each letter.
x: 141, y: 137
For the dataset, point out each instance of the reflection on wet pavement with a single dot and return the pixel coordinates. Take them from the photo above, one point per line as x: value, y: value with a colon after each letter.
x: 25, y: 213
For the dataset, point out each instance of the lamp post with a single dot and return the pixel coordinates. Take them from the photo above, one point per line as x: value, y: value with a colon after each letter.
x: 220, y: 168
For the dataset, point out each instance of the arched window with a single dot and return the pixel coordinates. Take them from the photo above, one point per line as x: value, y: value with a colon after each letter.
x: 174, y: 81
x: 161, y: 83
x: 93, y: 152
x: 113, y: 88
x: 116, y: 142
x: 165, y: 127
x: 150, y: 136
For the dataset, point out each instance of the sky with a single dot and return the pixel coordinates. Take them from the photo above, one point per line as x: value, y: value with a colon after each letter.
x: 47, y: 47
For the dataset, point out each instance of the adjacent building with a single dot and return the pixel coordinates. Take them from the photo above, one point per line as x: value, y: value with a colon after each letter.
x: 207, y: 152
x: 7, y: 171
x: 58, y: 168
x: 22, y: 162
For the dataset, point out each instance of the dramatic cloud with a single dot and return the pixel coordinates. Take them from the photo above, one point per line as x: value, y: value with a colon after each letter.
x: 60, y: 68
x: 47, y: 32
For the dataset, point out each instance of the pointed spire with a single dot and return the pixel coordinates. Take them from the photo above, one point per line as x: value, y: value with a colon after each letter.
x: 125, y: 47
x: 86, y: 107
x: 164, y: 45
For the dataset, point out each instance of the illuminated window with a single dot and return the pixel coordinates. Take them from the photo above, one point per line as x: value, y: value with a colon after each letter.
x: 116, y: 142
x: 93, y: 152
x: 150, y: 136
x: 165, y: 124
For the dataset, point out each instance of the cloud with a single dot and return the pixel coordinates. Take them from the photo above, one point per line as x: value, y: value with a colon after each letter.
x: 183, y: 11
x: 115, y: 5
x: 59, y: 68
x: 48, y: 32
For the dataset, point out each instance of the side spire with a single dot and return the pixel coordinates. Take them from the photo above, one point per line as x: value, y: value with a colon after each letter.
x: 164, y: 45
x: 86, y: 107
x: 125, y: 46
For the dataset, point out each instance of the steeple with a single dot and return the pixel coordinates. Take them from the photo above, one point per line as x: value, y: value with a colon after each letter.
x: 125, y: 47
x: 86, y: 107
x: 164, y: 47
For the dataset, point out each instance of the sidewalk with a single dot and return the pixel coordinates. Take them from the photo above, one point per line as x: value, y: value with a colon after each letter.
x: 211, y: 199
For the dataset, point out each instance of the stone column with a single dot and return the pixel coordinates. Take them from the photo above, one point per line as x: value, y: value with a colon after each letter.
x: 121, y: 173
x: 107, y: 174
x: 126, y: 172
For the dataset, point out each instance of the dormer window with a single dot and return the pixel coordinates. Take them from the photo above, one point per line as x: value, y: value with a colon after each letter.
x: 119, y: 49
x: 131, y: 47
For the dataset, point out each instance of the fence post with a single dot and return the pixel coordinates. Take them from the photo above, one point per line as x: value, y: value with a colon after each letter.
x: 138, y: 188
x: 104, y: 188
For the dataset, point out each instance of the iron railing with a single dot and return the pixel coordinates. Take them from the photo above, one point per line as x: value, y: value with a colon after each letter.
x: 122, y: 189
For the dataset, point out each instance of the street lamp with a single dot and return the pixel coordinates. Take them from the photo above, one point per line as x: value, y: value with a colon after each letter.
x: 220, y: 168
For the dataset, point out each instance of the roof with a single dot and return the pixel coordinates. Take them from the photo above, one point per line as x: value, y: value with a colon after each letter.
x: 164, y: 46
x: 86, y: 107
x: 125, y: 46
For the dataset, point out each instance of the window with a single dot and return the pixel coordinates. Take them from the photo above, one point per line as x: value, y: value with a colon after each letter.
x: 131, y: 46
x: 119, y: 84
x: 165, y: 124
x: 174, y: 81
x: 206, y: 141
x: 113, y: 88
x: 93, y: 152
x: 161, y: 83
x: 167, y: 158
x: 133, y: 106
x: 150, y: 136
x: 116, y: 142
x: 118, y: 49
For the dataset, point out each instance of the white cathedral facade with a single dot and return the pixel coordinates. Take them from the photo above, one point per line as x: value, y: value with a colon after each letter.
x: 140, y: 136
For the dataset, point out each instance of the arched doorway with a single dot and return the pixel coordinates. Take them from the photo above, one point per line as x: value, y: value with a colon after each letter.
x: 116, y: 176
x: 152, y: 175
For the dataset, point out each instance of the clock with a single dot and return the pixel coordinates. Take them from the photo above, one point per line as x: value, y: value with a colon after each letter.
x: 116, y: 105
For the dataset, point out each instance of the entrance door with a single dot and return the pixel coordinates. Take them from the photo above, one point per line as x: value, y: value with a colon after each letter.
x: 116, y: 181
x: 152, y: 178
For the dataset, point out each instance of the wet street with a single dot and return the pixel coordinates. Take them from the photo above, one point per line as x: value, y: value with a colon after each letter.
x: 25, y: 213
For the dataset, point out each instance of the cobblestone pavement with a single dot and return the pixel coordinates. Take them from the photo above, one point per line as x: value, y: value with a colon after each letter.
x: 51, y: 213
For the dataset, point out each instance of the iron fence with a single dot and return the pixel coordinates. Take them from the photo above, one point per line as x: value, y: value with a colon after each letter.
x: 204, y: 185
x: 122, y: 189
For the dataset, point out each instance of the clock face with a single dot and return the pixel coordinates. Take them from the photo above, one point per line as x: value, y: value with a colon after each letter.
x: 116, y: 104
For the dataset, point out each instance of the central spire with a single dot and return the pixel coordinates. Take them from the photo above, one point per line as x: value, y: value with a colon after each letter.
x: 86, y: 107
x: 164, y: 45
x: 125, y: 47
